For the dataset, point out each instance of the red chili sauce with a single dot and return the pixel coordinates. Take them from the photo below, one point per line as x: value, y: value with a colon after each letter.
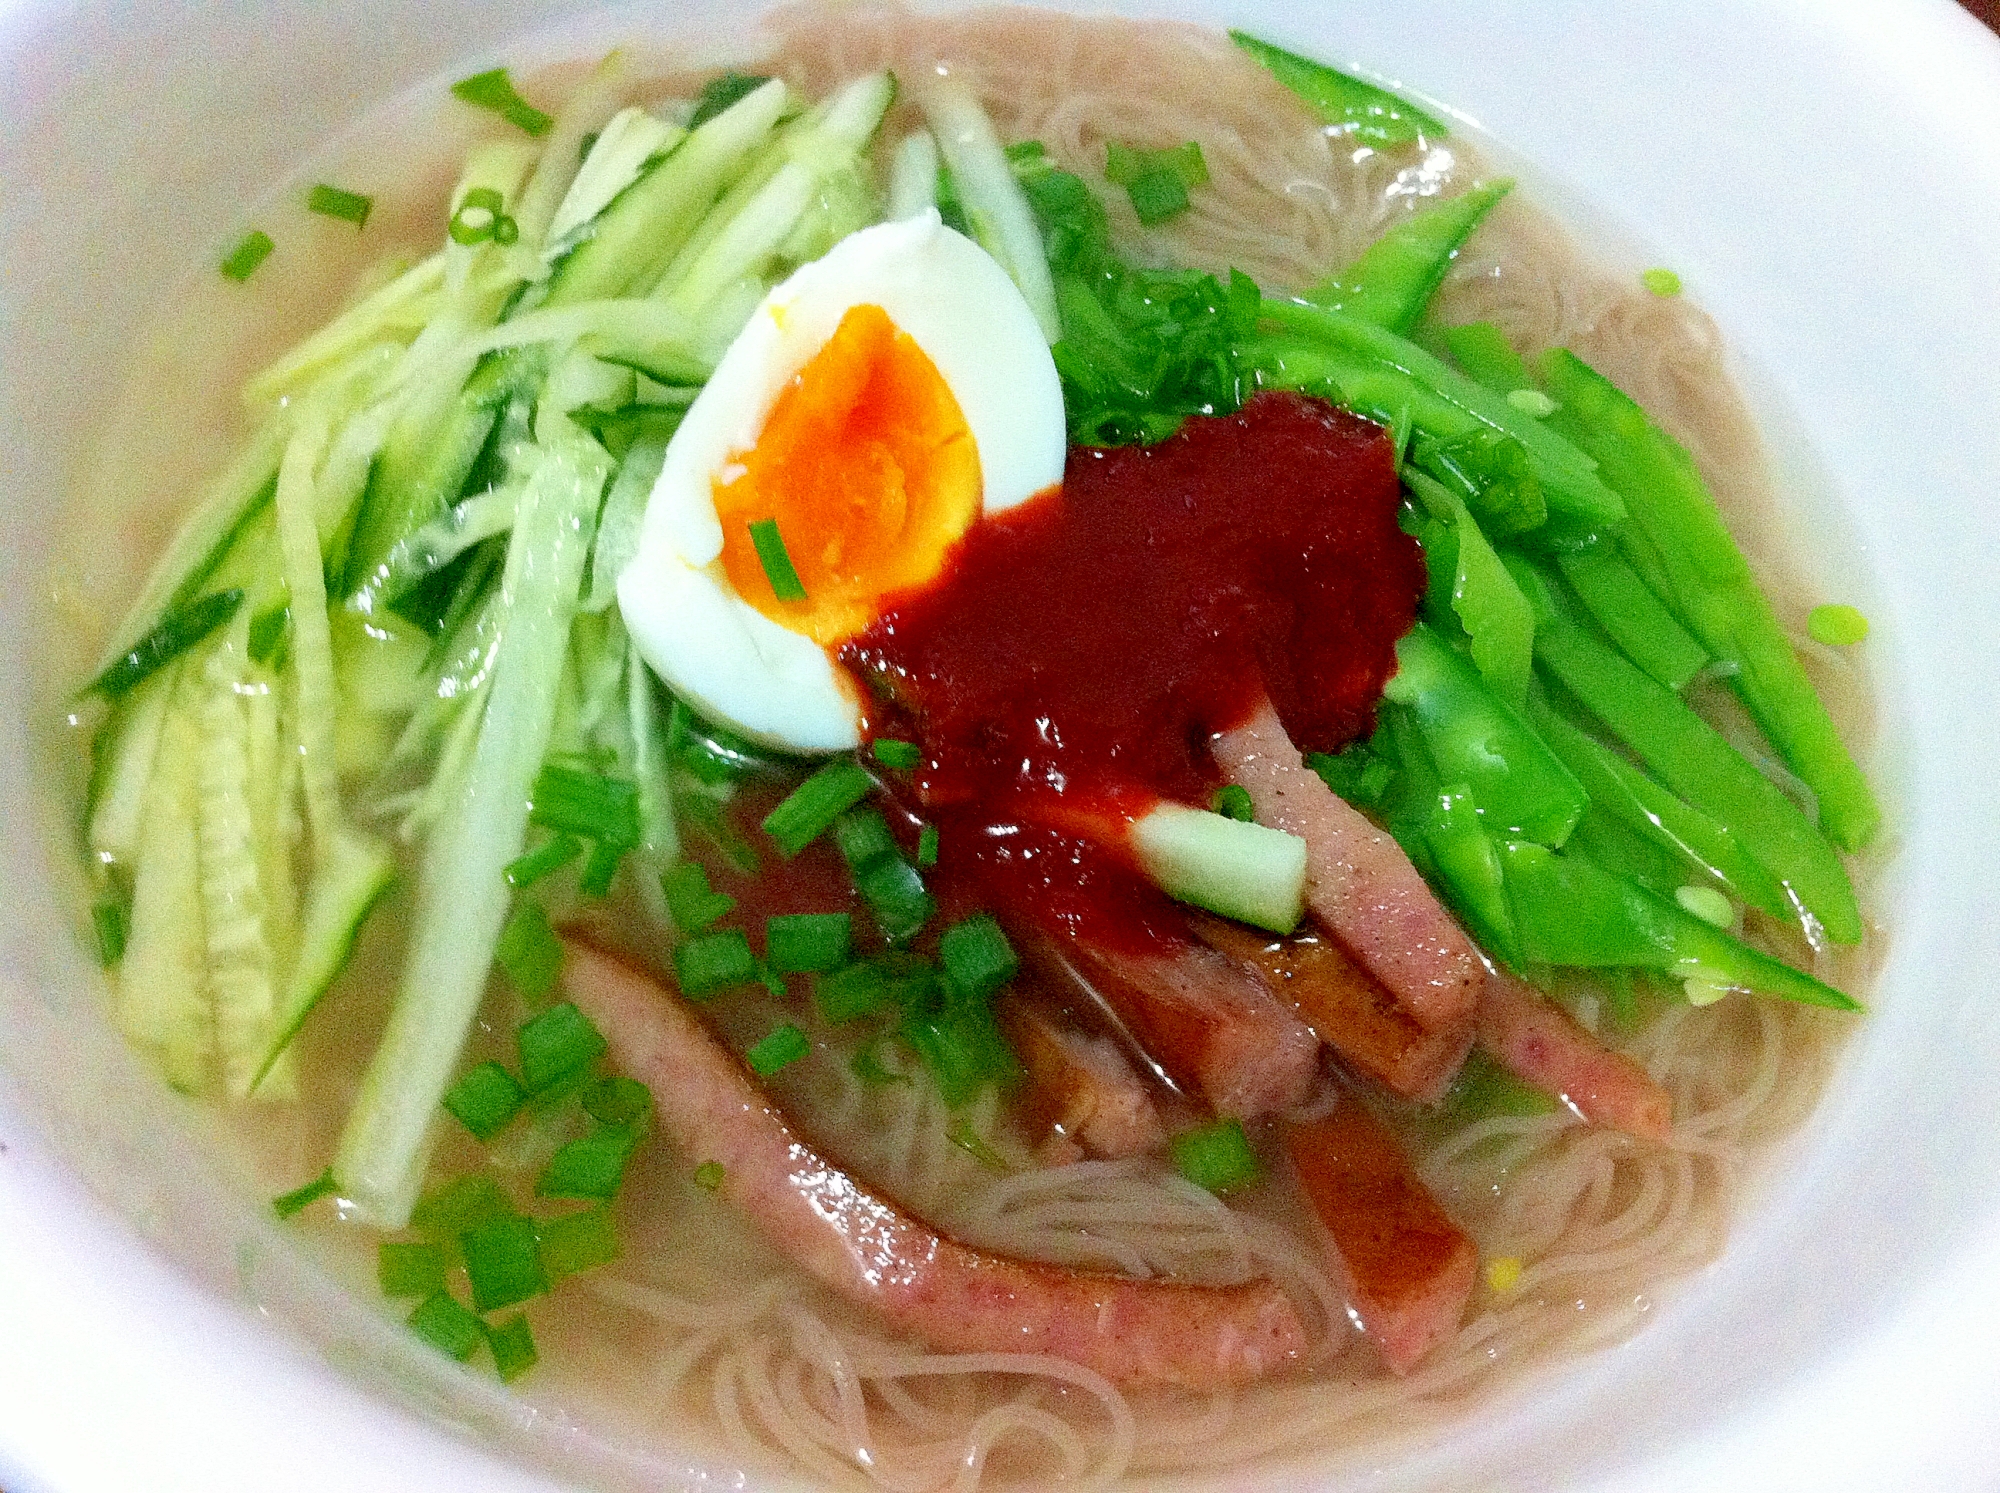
x: 1068, y: 668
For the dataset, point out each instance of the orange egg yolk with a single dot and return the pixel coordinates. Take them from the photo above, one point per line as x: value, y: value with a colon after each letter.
x: 868, y: 467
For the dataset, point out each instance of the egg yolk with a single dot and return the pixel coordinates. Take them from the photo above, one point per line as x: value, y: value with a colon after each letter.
x: 868, y: 467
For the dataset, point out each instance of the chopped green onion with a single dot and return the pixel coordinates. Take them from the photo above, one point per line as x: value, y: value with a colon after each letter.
x: 304, y: 1197
x: 816, y: 803
x: 551, y: 855
x: 109, y: 921
x: 591, y: 805
x: 1532, y: 402
x: 927, y: 846
x: 495, y: 90
x: 1661, y: 282
x: 600, y: 869
x: 863, y: 837
x: 808, y: 942
x: 410, y: 1269
x: 591, y: 1166
x: 1835, y: 625
x: 777, y: 561
x: 894, y: 891
x: 714, y: 962
x: 1157, y: 196
x: 1217, y: 1156
x: 1125, y: 164
x: 177, y: 632
x: 720, y: 92
x: 1232, y: 801
x: 975, y: 1145
x: 447, y: 1212
x: 503, y: 1262
x: 513, y: 1347
x: 269, y: 630
x: 334, y: 202
x: 962, y: 1047
x: 485, y: 1099
x: 782, y: 1047
x: 556, y: 1044
x: 691, y: 902
x: 252, y: 250
x: 577, y: 1242
x: 447, y: 1326
x: 530, y: 952
x: 480, y: 217
x: 852, y: 993
x: 618, y: 1100
x: 901, y: 755
x: 977, y: 957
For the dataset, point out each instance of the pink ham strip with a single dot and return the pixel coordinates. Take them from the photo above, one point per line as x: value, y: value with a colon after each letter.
x: 1359, y: 884
x: 1537, y: 1040
x: 956, y: 1299
x: 1081, y: 1092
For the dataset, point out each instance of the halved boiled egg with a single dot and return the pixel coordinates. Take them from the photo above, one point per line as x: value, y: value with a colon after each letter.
x: 877, y: 403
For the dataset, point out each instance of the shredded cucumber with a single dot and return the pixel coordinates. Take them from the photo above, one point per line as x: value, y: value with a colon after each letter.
x: 131, y: 742
x: 913, y: 175
x: 588, y: 111
x: 462, y: 894
x: 163, y: 1005
x: 395, y: 313
x: 626, y: 145
x: 624, y: 512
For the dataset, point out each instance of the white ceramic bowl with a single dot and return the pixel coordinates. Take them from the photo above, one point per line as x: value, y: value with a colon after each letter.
x: 1825, y: 175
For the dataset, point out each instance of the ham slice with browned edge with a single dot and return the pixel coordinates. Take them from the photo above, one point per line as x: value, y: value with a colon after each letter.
x: 1359, y: 884
x: 1406, y: 1268
x: 1346, y: 1007
x: 955, y: 1299
x: 1082, y: 1094
x: 1536, y: 1040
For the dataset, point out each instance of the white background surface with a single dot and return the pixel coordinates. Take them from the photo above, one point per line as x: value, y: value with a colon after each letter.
x: 1827, y: 179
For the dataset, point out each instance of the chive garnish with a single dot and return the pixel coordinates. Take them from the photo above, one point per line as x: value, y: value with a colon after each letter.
x: 1836, y: 625
x: 898, y: 754
x: 495, y: 90
x: 816, y: 803
x: 691, y: 902
x: 808, y: 942
x: 1157, y: 181
x: 1232, y: 801
x: 109, y: 920
x: 863, y: 838
x: 895, y: 893
x: 513, y: 1347
x: 304, y: 1197
x: 776, y: 560
x: 412, y: 1269
x: 600, y: 869
x: 618, y: 1100
x: 485, y: 1099
x: 592, y: 805
x: 530, y: 952
x: 447, y: 1326
x: 977, y: 957
x: 927, y: 846
x: 1217, y: 1156
x: 551, y: 855
x: 591, y: 1166
x: 269, y: 632
x: 714, y: 962
x: 1661, y: 282
x: 577, y: 1242
x: 781, y: 1048
x: 503, y: 1262
x: 852, y: 993
x: 252, y: 250
x: 337, y: 202
x: 555, y: 1044
x: 481, y: 216
x: 446, y: 1212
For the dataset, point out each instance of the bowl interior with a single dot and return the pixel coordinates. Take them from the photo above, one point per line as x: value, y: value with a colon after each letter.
x: 1828, y: 184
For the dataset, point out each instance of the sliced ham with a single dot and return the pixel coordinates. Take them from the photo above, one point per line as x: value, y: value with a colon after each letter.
x: 1359, y: 884
x: 1538, y: 1041
x: 1082, y: 1093
x: 865, y: 1248
x: 1346, y: 1007
x: 1406, y: 1268
x: 1212, y: 1025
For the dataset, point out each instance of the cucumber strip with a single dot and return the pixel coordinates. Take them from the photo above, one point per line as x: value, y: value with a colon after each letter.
x: 1239, y: 869
x: 315, y: 698
x: 399, y: 309
x: 845, y: 203
x: 816, y: 148
x: 163, y: 1005
x: 230, y: 505
x: 913, y: 173
x: 649, y: 221
x: 131, y: 744
x: 995, y: 206
x: 624, y: 514
x: 587, y: 111
x: 462, y: 894
x: 242, y: 964
x: 441, y: 541
x: 353, y: 873
x: 624, y: 147
x: 379, y: 663
x: 637, y: 333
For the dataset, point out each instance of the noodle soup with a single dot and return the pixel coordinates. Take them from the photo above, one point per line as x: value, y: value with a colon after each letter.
x: 1576, y: 1226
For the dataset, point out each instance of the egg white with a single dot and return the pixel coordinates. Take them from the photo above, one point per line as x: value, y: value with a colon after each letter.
x: 712, y: 647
